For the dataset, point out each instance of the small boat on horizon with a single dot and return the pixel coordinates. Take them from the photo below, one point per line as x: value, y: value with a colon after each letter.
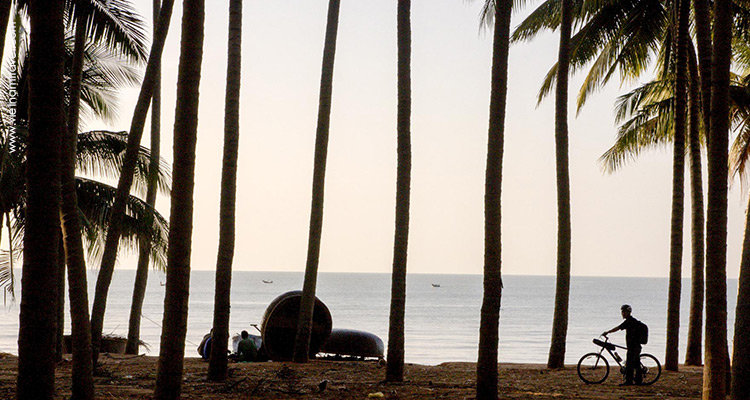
x: 435, y: 285
x: 265, y: 281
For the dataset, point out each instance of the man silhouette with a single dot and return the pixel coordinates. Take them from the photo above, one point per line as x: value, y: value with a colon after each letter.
x: 632, y: 341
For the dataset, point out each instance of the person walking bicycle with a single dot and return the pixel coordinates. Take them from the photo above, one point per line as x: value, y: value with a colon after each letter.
x: 636, y: 334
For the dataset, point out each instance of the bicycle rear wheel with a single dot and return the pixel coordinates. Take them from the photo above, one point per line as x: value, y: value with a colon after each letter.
x: 650, y: 368
x: 593, y: 368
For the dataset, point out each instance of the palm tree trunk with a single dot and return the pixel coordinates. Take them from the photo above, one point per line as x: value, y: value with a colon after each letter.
x: 694, y: 352
x: 37, y: 322
x: 715, y: 370
x: 141, y: 275
x: 740, y: 358
x: 493, y: 284
x: 217, y: 367
x: 395, y: 367
x: 307, y: 302
x: 562, y: 292
x: 174, y: 326
x: 671, y: 362
x: 83, y: 381
x: 109, y: 255
x: 60, y: 302
x: 702, y: 12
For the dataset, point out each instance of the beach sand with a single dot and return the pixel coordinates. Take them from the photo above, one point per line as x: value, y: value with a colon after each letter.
x: 133, y: 377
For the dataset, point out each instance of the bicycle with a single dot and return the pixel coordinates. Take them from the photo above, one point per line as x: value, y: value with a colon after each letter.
x: 593, y: 368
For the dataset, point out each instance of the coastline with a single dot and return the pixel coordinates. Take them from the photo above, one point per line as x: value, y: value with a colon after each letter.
x: 133, y: 377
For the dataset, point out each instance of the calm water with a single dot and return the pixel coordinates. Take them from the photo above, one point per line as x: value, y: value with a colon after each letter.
x: 442, y: 324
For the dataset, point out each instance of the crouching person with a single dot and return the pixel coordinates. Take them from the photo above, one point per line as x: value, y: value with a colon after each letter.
x: 246, y: 350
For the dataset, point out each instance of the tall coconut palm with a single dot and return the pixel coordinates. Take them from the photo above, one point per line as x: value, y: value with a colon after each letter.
x: 126, y: 176
x: 83, y: 379
x: 562, y: 292
x: 694, y: 351
x: 487, y: 375
x: 36, y: 364
x: 307, y: 302
x: 740, y: 388
x: 141, y: 274
x: 681, y: 12
x: 172, y: 352
x: 715, y: 369
x: 217, y: 367
x: 395, y: 367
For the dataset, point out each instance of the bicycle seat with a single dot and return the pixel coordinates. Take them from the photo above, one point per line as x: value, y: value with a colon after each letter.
x: 608, y: 346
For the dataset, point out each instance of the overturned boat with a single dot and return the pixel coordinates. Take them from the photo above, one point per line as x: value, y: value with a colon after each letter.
x: 279, y: 326
x: 353, y: 343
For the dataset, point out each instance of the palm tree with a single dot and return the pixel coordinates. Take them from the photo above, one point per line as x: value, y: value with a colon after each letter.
x: 172, y: 352
x: 395, y: 367
x: 715, y: 369
x: 83, y: 370
x: 681, y: 12
x: 304, y: 326
x: 110, y: 30
x: 493, y: 284
x: 740, y: 362
x: 217, y: 367
x: 126, y: 176
x: 36, y: 364
x: 141, y: 275
x: 562, y: 293
x: 694, y: 351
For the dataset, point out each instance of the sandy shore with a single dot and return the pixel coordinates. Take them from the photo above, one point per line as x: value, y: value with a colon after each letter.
x: 133, y: 377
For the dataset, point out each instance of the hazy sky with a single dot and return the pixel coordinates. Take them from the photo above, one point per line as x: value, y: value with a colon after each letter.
x: 620, y: 222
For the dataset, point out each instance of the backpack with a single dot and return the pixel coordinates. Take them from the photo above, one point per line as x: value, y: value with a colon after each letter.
x: 641, y: 331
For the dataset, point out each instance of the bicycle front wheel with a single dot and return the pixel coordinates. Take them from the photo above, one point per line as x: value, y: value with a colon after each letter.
x: 593, y: 368
x: 650, y: 369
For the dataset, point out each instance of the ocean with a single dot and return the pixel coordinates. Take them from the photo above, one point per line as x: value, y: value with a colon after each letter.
x: 442, y: 323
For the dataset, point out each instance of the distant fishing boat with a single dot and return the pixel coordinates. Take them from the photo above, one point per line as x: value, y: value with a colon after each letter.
x: 435, y: 285
x: 265, y: 281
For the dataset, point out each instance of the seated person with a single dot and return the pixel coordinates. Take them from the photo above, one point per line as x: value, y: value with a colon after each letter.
x: 246, y: 350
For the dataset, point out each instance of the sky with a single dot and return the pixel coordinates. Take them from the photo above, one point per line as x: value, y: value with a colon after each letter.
x: 620, y: 222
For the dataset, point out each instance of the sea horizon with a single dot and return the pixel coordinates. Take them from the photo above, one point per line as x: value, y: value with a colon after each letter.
x: 442, y: 323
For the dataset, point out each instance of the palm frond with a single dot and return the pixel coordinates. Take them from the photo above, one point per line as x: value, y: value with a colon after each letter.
x: 101, y: 153
x: 648, y: 115
x: 141, y: 222
x: 114, y: 23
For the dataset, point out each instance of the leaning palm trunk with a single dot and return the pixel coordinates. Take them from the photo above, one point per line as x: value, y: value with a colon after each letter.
x: 493, y: 284
x: 304, y: 326
x: 395, y: 367
x: 36, y: 353
x: 740, y: 358
x: 172, y: 352
x: 217, y: 367
x: 83, y: 381
x: 678, y: 188
x: 562, y: 292
x: 114, y: 229
x: 141, y: 274
x: 715, y: 370
x: 694, y: 352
